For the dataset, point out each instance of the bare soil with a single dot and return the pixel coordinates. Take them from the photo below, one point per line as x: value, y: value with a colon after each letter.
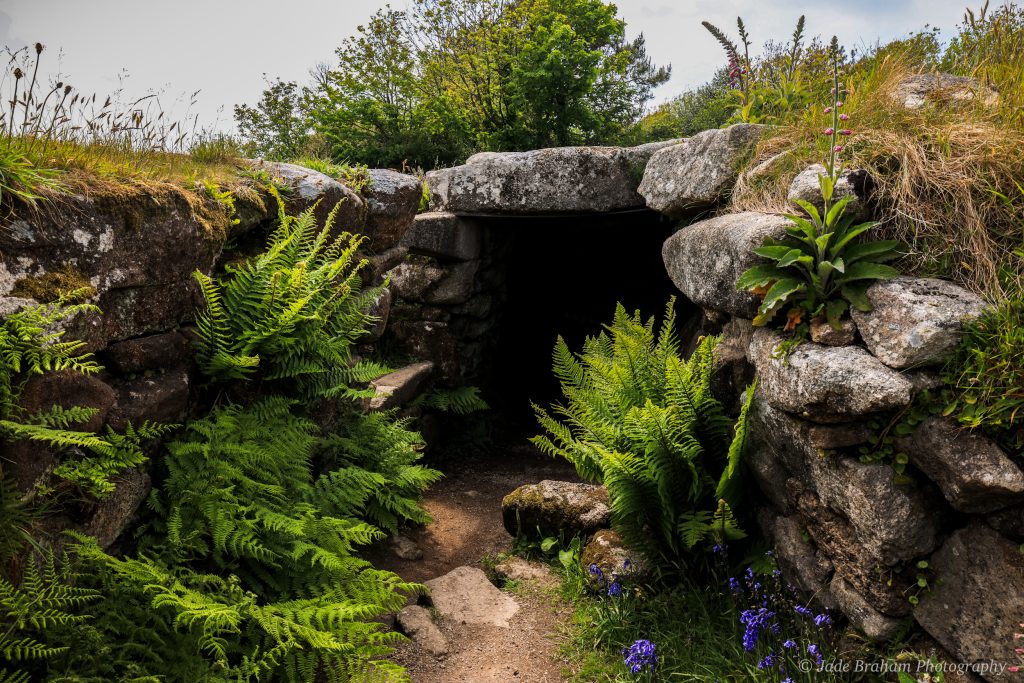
x: 467, y: 528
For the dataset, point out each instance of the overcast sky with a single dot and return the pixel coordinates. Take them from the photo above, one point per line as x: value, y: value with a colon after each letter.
x: 223, y: 47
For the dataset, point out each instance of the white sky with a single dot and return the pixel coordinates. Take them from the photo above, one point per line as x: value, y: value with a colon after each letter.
x: 223, y: 47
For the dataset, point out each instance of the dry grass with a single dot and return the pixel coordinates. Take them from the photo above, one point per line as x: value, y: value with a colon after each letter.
x: 939, y: 173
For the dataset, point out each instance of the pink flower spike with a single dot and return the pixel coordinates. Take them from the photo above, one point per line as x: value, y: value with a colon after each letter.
x: 844, y: 117
x: 838, y: 148
x: 1019, y: 650
x: 1018, y: 636
x: 827, y: 110
x: 839, y: 104
x: 830, y: 131
x: 846, y: 131
x: 1013, y: 669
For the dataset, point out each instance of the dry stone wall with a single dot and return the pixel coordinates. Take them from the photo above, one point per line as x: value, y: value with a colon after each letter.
x: 133, y: 253
x: 849, y: 533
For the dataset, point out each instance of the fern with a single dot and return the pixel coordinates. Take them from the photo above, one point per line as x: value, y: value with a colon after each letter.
x: 241, y: 497
x: 375, y: 472
x: 44, y: 600
x: 459, y: 401
x: 291, y: 314
x: 639, y: 419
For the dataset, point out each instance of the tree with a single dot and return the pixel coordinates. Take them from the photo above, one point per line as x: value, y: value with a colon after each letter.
x: 448, y: 77
x: 276, y: 128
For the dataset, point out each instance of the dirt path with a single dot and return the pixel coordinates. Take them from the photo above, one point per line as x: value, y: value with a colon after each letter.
x: 467, y: 527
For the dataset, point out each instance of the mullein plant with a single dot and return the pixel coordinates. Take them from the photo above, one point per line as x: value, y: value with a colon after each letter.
x: 822, y: 266
x: 788, y: 640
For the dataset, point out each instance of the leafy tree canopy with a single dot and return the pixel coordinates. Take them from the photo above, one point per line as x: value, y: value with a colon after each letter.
x: 445, y: 78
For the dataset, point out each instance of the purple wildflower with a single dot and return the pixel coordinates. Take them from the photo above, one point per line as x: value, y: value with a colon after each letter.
x: 755, y: 621
x: 640, y: 655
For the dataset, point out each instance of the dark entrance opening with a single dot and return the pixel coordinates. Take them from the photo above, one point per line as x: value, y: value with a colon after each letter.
x: 563, y: 276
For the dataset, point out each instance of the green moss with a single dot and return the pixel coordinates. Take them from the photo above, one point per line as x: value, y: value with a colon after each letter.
x: 50, y: 287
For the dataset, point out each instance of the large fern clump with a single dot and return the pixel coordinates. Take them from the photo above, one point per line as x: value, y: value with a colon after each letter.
x: 292, y: 313
x: 242, y: 497
x: 644, y: 422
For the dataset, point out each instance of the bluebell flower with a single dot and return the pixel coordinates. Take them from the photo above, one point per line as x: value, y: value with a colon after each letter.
x: 787, y: 680
x: 640, y: 655
x: 734, y: 585
x: 717, y: 548
x: 789, y: 644
x: 755, y: 621
x: 768, y: 661
x: 804, y: 611
x: 626, y: 564
x: 813, y: 651
x: 615, y: 590
x: 769, y: 554
x: 822, y: 620
x: 596, y: 572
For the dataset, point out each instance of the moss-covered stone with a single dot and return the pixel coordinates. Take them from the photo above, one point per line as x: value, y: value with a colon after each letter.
x: 51, y: 286
x: 551, y: 508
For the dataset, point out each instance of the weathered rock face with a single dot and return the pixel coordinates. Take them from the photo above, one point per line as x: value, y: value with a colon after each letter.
x: 415, y: 622
x: 977, y: 597
x: 705, y: 259
x: 891, y: 522
x: 974, y: 474
x: 392, y: 200
x: 161, y: 397
x: 444, y: 236
x: 423, y: 281
x: 381, y: 312
x: 826, y: 384
x: 29, y: 462
x: 698, y: 172
x: 800, y: 562
x: 852, y: 183
x: 521, y: 569
x: 113, y: 513
x: 397, y: 388
x: 544, y: 181
x: 917, y: 91
x: 432, y: 341
x: 884, y: 586
x: 731, y: 373
x: 309, y: 187
x: 465, y: 595
x: 136, y: 251
x: 823, y: 333
x: 556, y: 507
x: 606, y: 550
x: 862, y: 615
x: 915, y: 321
x: 147, y: 353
